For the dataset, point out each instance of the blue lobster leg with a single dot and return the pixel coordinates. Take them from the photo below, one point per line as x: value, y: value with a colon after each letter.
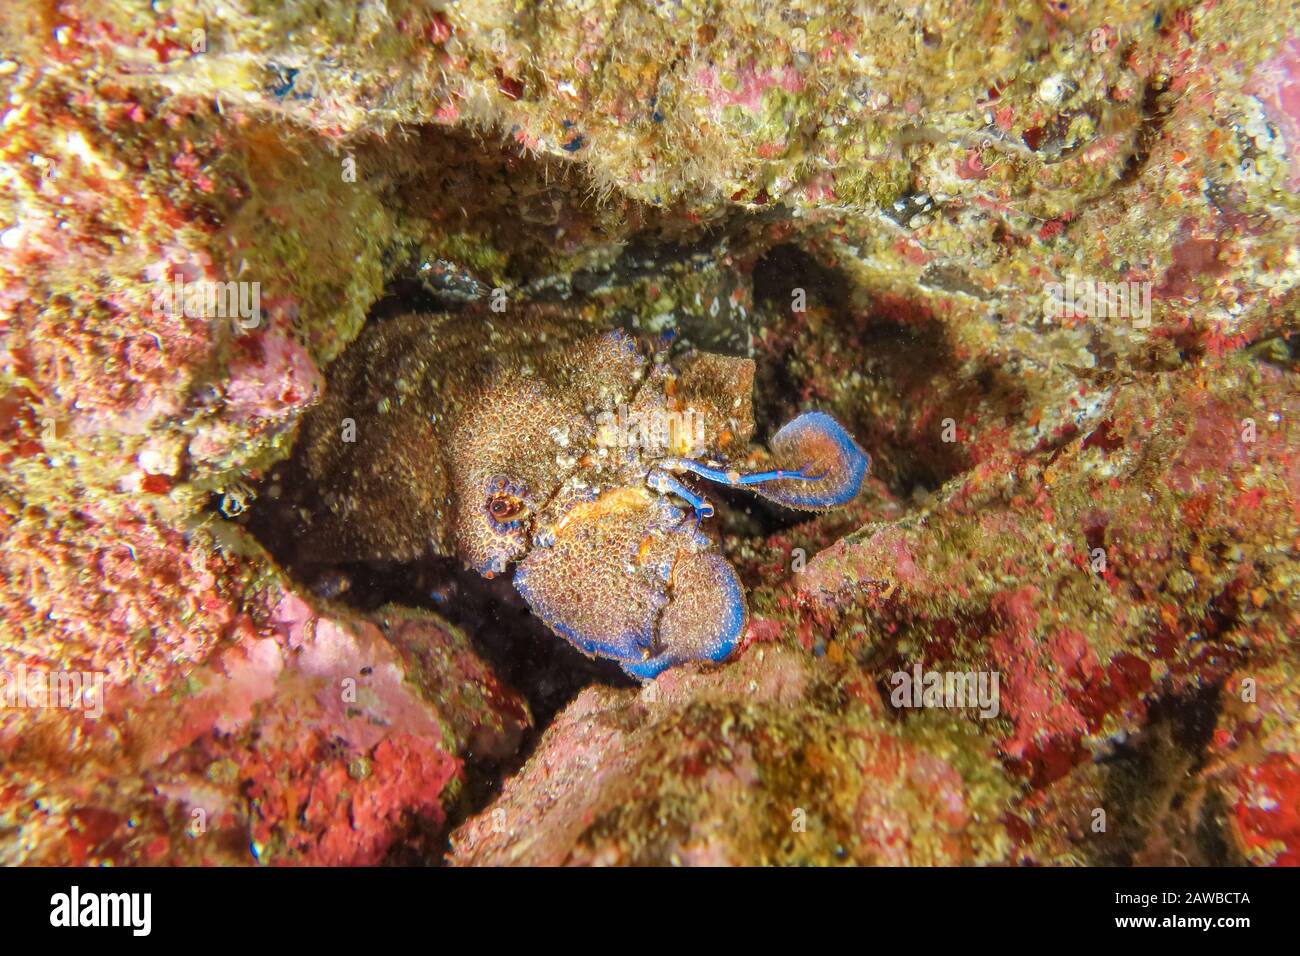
x: 828, y: 466
x: 736, y: 478
x: 664, y: 483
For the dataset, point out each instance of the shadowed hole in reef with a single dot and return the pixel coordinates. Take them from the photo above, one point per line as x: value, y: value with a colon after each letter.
x: 1170, y: 818
x: 515, y: 209
x: 881, y: 364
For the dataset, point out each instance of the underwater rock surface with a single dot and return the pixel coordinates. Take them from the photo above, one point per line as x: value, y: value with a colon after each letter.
x: 1042, y: 266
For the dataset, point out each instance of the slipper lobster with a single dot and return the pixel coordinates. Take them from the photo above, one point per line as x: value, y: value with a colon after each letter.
x: 574, y: 455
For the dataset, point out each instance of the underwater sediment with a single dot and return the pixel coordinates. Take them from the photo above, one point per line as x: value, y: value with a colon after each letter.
x: 1040, y: 263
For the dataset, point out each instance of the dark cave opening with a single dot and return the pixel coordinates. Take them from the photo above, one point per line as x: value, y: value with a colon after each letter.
x: 910, y: 383
x: 1154, y: 774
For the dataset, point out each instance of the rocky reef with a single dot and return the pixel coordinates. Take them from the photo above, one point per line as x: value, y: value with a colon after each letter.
x: 1040, y: 259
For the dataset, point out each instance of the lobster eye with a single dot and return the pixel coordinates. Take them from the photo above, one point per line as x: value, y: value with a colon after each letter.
x: 503, y: 507
x: 507, y: 501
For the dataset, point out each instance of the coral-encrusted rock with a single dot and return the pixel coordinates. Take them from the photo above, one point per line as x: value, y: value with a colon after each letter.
x: 1175, y: 508
x: 308, y: 736
x: 1255, y: 762
x: 755, y: 763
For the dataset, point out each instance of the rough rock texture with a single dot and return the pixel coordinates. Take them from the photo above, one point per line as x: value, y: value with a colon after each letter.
x: 762, y: 762
x: 1100, y: 509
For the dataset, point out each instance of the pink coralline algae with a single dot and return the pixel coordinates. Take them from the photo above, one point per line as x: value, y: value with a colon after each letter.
x: 1276, y: 83
x: 311, y: 739
x: 272, y: 376
x: 747, y: 88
